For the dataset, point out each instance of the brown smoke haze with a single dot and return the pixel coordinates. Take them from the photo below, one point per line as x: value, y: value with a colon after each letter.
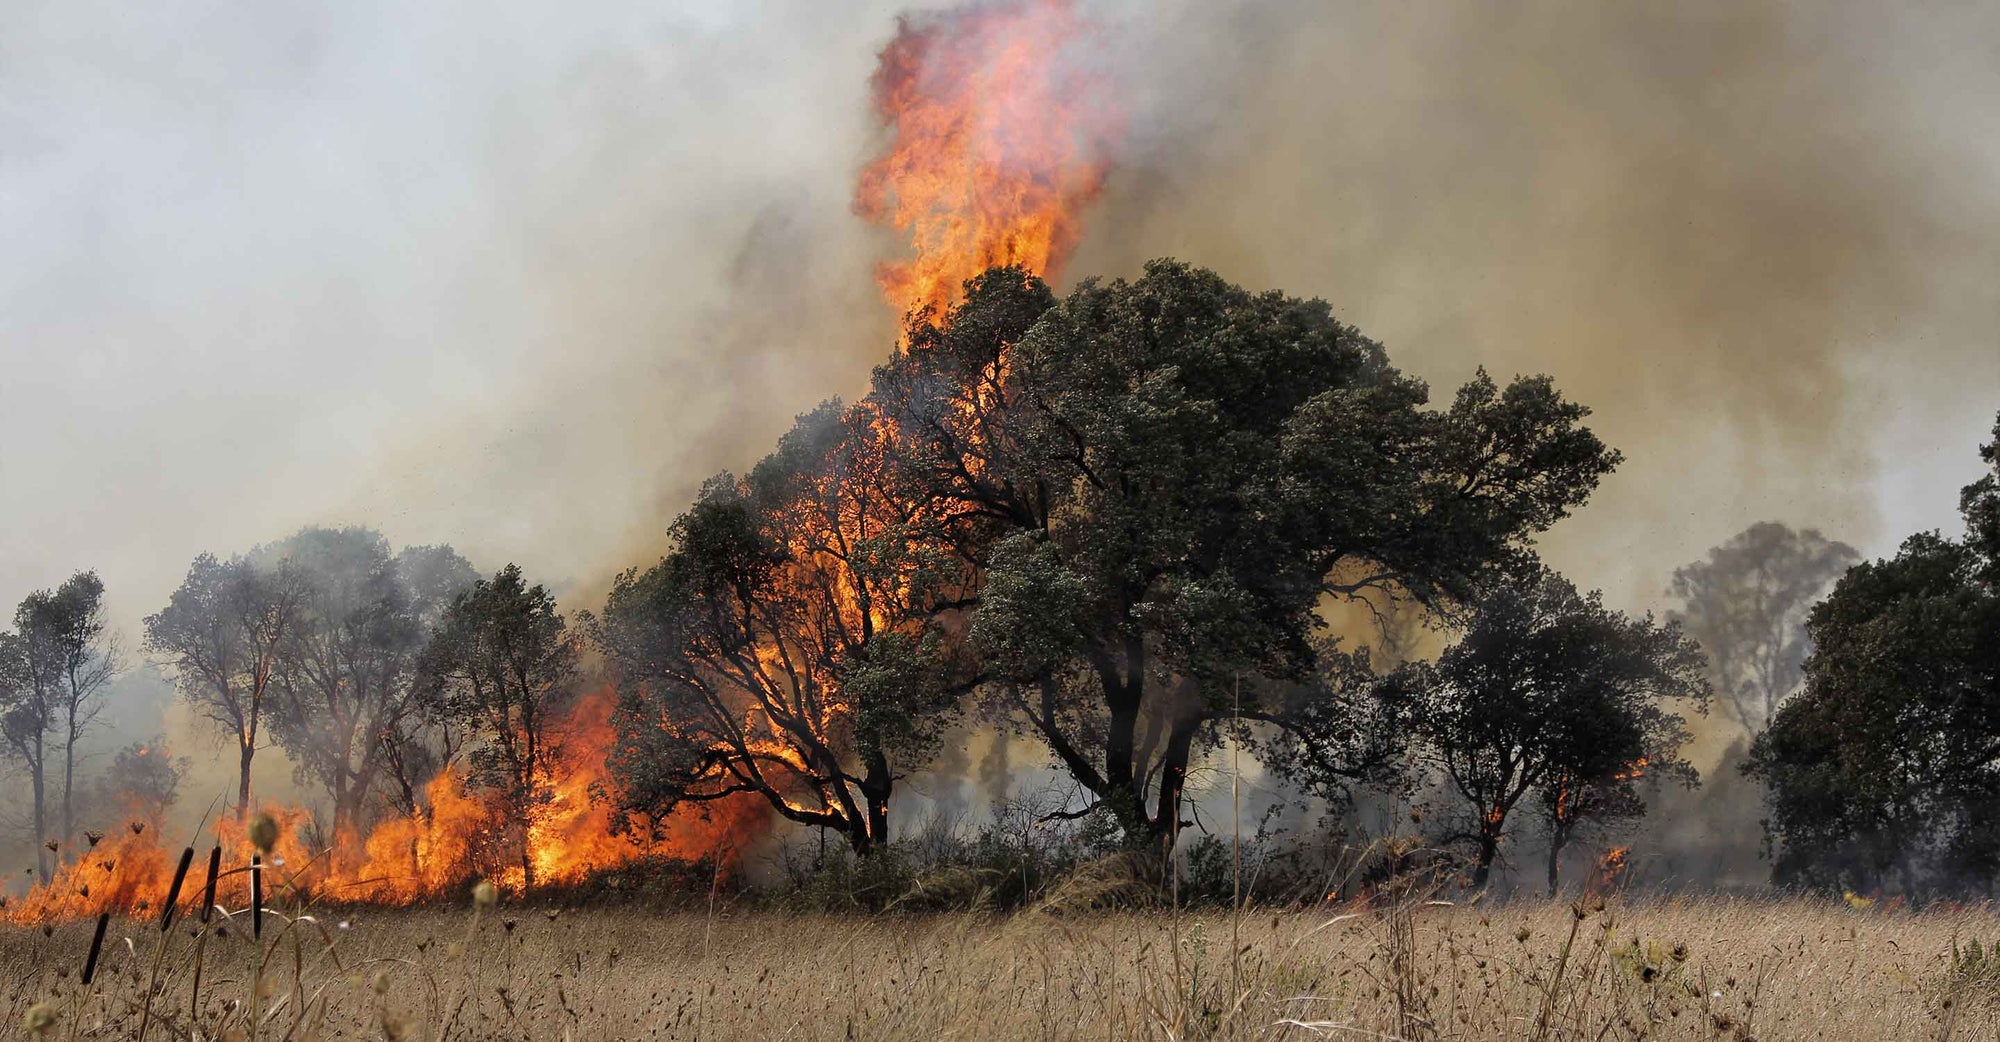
x: 518, y: 278
x: 1761, y: 240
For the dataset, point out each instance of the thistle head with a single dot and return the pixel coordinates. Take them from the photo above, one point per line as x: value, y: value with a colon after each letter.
x: 264, y: 832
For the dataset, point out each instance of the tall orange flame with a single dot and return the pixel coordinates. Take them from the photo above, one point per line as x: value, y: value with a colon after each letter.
x: 1000, y: 134
x: 1611, y: 867
x: 457, y: 834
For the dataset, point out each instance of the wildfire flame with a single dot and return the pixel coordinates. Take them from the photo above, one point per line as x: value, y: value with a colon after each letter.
x: 1610, y: 866
x: 406, y: 859
x: 999, y: 136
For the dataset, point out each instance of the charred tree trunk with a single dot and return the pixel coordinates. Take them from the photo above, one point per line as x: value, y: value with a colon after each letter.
x: 1166, y: 823
x: 69, y: 783
x: 39, y: 780
x: 875, y: 789
x: 1124, y: 694
x: 1489, y: 848
x: 245, y: 751
x: 858, y: 840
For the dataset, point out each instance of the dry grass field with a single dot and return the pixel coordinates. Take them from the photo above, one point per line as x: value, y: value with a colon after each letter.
x: 1692, y: 969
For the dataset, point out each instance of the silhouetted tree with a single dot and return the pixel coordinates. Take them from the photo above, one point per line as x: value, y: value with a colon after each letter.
x: 424, y: 742
x: 69, y: 661
x: 1549, y: 692
x: 220, y: 635
x: 1886, y: 766
x: 504, y: 661
x: 144, y: 779
x: 1159, y: 480
x: 25, y: 721
x: 783, y: 648
x: 346, y: 678
x: 1747, y: 604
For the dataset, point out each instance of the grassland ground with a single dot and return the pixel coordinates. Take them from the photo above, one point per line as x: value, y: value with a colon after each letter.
x: 1708, y: 968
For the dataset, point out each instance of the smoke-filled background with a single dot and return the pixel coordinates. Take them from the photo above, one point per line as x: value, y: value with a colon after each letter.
x: 517, y: 278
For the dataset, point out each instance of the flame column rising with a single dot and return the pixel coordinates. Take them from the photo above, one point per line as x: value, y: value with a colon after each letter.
x: 1000, y: 134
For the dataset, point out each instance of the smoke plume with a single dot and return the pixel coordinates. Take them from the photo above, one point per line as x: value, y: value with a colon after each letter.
x: 517, y: 277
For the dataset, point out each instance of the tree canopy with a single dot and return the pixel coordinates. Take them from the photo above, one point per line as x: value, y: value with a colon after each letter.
x: 504, y: 662
x: 784, y: 648
x: 1550, y: 694
x: 1746, y: 602
x: 1885, y: 768
x: 1159, y: 481
x: 347, y: 683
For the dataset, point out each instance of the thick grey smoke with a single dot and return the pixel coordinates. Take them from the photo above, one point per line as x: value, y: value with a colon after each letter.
x: 509, y: 276
x: 517, y: 279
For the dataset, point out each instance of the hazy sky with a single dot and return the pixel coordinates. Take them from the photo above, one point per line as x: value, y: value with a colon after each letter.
x: 517, y: 276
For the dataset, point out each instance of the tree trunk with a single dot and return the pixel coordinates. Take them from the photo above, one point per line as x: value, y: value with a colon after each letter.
x: 69, y: 782
x: 1123, y: 695
x: 39, y: 779
x: 345, y: 813
x: 1489, y: 847
x: 1166, y: 823
x: 245, y: 751
x: 876, y: 788
x: 1555, y: 866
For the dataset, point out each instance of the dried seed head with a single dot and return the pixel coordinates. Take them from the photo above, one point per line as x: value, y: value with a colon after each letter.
x: 380, y: 982
x: 40, y: 1018
x: 485, y: 895
x: 264, y: 832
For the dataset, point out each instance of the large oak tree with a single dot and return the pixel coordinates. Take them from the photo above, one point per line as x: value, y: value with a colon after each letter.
x: 1160, y: 480
x: 1885, y: 767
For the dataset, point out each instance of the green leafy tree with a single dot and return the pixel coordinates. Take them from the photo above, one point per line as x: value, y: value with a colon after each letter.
x: 1158, y: 481
x: 1549, y: 692
x: 1747, y: 603
x: 221, y: 635
x: 504, y: 662
x: 1882, y: 770
x: 784, y: 647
